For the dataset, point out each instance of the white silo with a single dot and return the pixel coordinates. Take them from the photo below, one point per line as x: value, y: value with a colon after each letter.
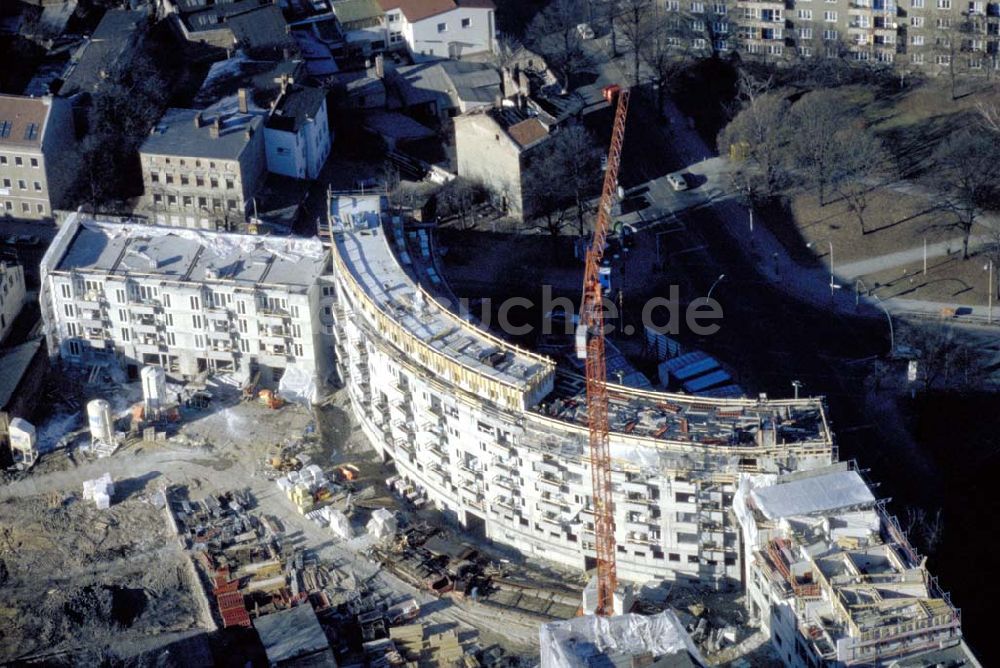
x: 102, y: 425
x: 154, y: 388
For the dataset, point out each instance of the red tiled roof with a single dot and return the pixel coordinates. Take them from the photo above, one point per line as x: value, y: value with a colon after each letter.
x: 528, y: 132
x: 417, y: 10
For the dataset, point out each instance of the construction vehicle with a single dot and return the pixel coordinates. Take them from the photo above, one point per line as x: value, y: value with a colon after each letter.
x: 590, y: 347
x: 348, y: 472
x: 270, y: 399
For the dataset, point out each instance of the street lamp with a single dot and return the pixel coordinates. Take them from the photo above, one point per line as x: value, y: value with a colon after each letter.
x: 709, y: 296
x: 989, y: 293
x: 796, y: 385
x: 892, y: 336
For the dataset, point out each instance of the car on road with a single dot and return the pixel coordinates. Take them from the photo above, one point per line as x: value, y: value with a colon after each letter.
x: 586, y: 32
x: 677, y: 181
x: 26, y: 240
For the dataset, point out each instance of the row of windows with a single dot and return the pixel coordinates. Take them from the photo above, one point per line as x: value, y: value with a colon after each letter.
x: 443, y: 27
x: 75, y: 348
x: 18, y: 161
x: 199, y: 181
x: 8, y: 207
x: 188, y: 202
x: 23, y: 185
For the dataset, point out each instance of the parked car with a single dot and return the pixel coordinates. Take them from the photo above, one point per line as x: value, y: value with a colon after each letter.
x: 677, y: 181
x: 26, y: 240
x: 586, y: 32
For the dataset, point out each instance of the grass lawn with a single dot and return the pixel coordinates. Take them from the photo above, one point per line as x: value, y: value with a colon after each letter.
x: 949, y: 279
x: 894, y: 222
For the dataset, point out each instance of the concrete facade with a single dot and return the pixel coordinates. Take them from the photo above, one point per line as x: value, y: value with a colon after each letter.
x: 202, y: 169
x: 12, y: 295
x: 488, y: 433
x: 926, y: 36
x: 36, y: 136
x: 190, y: 301
x: 440, y: 29
x: 833, y: 580
x: 487, y: 152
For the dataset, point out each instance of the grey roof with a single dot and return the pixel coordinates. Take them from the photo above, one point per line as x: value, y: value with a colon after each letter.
x: 296, y: 106
x: 176, y: 134
x: 189, y: 255
x: 262, y: 77
x: 462, y: 82
x: 813, y: 494
x: 292, y: 634
x: 14, y: 362
x: 253, y: 25
x: 104, y: 49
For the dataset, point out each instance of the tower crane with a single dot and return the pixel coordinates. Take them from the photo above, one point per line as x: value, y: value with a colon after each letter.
x: 590, y: 346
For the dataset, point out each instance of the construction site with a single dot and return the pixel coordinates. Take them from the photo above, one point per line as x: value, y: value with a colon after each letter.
x: 450, y: 499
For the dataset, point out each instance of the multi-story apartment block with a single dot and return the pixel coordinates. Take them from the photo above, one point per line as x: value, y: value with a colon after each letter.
x: 297, y: 132
x: 12, y: 295
x: 931, y: 36
x: 36, y: 135
x: 189, y: 301
x: 496, y: 436
x: 202, y: 169
x: 440, y: 28
x: 834, y: 581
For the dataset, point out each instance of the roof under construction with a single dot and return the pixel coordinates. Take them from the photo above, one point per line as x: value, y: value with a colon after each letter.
x: 186, y: 255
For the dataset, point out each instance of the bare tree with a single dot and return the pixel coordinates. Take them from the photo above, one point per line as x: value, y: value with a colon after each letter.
x: 860, y: 171
x: 817, y: 121
x: 458, y: 198
x: 760, y: 130
x: 665, y: 51
x: 944, y: 360
x: 635, y: 21
x: 989, y: 116
x: 924, y: 528
x: 967, y: 166
x: 562, y: 175
x: 553, y: 33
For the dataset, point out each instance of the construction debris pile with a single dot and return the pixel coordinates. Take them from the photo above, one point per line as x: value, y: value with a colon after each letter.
x: 81, y: 582
x: 250, y: 570
x: 425, y: 558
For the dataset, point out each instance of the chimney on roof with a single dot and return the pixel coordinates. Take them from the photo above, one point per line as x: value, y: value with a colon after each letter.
x: 506, y: 83
x: 216, y: 128
x: 241, y: 94
x: 379, y: 66
x: 197, y: 119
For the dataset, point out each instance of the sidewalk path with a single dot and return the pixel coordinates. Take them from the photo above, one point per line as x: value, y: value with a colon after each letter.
x: 878, y: 263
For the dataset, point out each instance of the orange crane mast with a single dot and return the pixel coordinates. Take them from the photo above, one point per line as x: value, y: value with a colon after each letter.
x: 590, y: 345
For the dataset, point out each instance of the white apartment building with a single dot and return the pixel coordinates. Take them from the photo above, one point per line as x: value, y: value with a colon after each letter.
x: 36, y: 135
x: 297, y: 134
x: 440, y: 28
x: 834, y: 581
x: 12, y: 295
x: 187, y: 300
x: 496, y: 436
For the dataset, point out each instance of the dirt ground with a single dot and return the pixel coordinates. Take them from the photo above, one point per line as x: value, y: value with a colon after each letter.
x: 80, y: 580
x: 949, y: 279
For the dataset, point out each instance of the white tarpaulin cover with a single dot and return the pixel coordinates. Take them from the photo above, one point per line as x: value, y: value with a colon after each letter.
x: 571, y: 643
x: 815, y: 494
x: 298, y: 385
